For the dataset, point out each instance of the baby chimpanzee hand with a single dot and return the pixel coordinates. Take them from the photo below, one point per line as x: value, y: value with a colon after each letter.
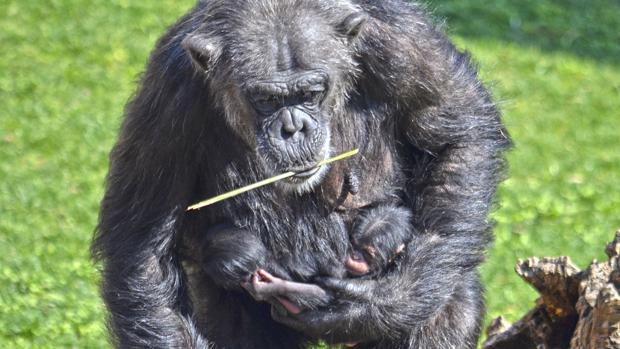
x: 379, y: 236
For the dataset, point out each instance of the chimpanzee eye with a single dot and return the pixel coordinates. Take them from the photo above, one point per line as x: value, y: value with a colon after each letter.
x: 311, y: 98
x: 267, y: 104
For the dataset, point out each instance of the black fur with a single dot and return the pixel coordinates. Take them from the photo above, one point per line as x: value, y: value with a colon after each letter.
x: 430, y: 139
x: 380, y: 235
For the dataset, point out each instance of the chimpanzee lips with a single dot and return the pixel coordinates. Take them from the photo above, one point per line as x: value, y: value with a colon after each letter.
x: 307, y: 173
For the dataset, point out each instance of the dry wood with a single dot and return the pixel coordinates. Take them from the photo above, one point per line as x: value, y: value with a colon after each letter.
x: 577, y: 309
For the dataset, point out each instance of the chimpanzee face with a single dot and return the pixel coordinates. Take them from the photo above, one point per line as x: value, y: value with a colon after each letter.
x: 284, y: 81
x: 292, y: 125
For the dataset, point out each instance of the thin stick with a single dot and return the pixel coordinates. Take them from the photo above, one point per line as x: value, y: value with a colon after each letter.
x: 265, y: 182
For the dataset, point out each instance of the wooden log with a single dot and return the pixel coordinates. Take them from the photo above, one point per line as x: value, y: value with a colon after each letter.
x: 576, y: 309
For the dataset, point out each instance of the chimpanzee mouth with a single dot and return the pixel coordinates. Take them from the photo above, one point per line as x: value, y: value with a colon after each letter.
x: 306, y: 173
x: 306, y: 177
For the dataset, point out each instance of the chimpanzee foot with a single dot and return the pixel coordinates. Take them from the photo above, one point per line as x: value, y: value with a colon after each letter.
x: 294, y: 297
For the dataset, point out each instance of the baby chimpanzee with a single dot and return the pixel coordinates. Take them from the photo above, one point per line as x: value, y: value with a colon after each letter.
x: 379, y: 235
x: 238, y: 260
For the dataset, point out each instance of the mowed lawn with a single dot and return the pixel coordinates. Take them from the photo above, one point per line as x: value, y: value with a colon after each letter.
x: 68, y: 66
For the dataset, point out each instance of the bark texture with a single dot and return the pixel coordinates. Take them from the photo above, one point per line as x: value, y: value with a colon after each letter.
x: 577, y: 309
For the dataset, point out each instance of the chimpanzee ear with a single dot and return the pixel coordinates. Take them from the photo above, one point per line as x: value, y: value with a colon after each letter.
x: 203, y: 50
x: 353, y: 24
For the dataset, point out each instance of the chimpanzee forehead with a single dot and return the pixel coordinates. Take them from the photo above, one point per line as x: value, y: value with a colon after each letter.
x: 286, y: 45
x: 285, y: 83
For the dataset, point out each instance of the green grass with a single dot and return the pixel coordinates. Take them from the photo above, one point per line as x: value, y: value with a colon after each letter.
x: 68, y: 66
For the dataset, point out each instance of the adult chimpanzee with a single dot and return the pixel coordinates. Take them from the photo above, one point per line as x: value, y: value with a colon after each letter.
x: 239, y: 90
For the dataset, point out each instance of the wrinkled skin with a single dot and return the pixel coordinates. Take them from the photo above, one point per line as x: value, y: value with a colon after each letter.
x: 240, y: 90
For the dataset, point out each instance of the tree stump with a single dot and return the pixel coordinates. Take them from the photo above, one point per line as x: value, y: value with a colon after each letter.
x: 577, y: 309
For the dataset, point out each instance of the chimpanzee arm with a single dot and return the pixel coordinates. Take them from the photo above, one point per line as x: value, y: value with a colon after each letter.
x: 152, y: 174
x: 437, y: 274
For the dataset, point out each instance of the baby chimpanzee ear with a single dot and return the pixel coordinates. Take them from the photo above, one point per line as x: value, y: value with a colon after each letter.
x: 203, y: 50
x: 353, y: 24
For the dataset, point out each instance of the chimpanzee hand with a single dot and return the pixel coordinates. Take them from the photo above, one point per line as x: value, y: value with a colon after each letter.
x: 286, y: 296
x: 378, y: 236
x: 345, y: 320
x: 389, y: 307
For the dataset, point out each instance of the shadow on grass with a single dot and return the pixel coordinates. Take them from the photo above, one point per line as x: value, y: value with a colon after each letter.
x: 585, y: 28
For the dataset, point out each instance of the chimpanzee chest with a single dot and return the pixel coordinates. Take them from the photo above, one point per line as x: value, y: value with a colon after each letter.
x: 314, y: 240
x: 351, y: 188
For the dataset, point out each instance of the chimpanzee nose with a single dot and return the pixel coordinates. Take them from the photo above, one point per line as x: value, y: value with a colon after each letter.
x: 292, y: 125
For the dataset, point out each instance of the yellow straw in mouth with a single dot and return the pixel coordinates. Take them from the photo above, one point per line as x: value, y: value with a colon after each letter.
x: 265, y: 182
